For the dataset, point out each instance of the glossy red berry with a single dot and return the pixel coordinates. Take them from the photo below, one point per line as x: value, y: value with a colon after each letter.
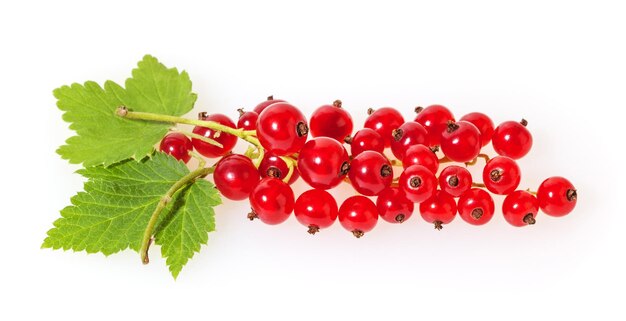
x: 247, y: 120
x: 235, y: 177
x: 370, y: 173
x: 331, y: 121
x: 435, y: 119
x: 316, y: 209
x: 383, y: 121
x: 358, y: 214
x: 282, y: 129
x: 512, y: 139
x: 365, y: 139
x: 501, y: 175
x: 476, y: 206
x: 272, y: 201
x: 455, y: 180
x: 557, y: 196
x: 393, y: 206
x: 323, y: 163
x: 177, y: 145
x: 266, y: 103
x: 228, y: 141
x: 439, y: 209
x: 421, y: 155
x: 418, y: 183
x: 460, y: 142
x: 409, y: 134
x: 274, y: 166
x: 520, y: 208
x: 483, y: 123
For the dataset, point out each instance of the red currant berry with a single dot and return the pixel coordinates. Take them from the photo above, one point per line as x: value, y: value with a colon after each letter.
x: 331, y: 121
x: 272, y: 201
x: 557, y: 196
x: 228, y: 141
x: 177, y: 145
x: 274, y: 166
x: 247, y: 120
x: 421, y: 155
x: 365, y: 139
x: 439, y: 209
x: 316, y: 209
x: 435, y: 119
x: 501, y: 175
x: 235, y: 177
x: 460, y: 142
x: 358, y: 215
x: 282, y: 129
x: 512, y: 139
x: 393, y: 206
x: 323, y: 163
x: 383, y: 121
x: 409, y: 134
x: 266, y: 103
x: 455, y: 180
x: 520, y: 208
x: 418, y: 183
x: 476, y: 206
x: 483, y: 123
x: 370, y: 173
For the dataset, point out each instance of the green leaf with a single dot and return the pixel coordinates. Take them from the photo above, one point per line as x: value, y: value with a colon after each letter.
x: 102, y: 138
x: 113, y: 211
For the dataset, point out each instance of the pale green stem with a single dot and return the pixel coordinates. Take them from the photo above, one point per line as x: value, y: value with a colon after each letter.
x: 200, y: 137
x: 291, y: 164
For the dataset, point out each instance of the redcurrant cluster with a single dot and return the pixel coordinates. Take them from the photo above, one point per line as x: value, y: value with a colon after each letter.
x: 323, y: 162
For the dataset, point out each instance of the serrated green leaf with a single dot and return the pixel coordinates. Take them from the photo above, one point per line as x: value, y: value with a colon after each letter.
x: 102, y: 138
x: 115, y: 207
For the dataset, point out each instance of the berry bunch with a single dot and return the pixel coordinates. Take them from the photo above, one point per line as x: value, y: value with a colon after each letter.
x: 439, y: 189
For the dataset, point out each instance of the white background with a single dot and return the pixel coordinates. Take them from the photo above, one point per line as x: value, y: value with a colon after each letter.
x: 559, y: 65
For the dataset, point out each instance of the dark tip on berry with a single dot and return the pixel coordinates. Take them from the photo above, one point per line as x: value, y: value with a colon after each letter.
x: 240, y: 110
x: 435, y: 148
x: 524, y: 122
x: 252, y: 215
x: 313, y: 229
x: 572, y: 195
x: 386, y: 170
x: 273, y: 171
x: 452, y: 126
x: 370, y: 111
x: 397, y: 134
x: 477, y: 213
x: 345, y: 168
x: 302, y: 129
x: 121, y: 111
x: 337, y: 103
x: 418, y: 109
x: 348, y: 139
x: 400, y: 218
x: 495, y: 175
x: 453, y: 181
x: 438, y: 225
x: 358, y: 234
x: 270, y: 97
x: 203, y: 115
x: 529, y: 219
x: 415, y: 182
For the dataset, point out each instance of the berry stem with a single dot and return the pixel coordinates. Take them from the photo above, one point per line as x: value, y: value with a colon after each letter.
x: 445, y: 159
x: 475, y: 160
x: 201, y: 161
x: 395, y: 162
x: 196, y: 136
x: 534, y: 193
x: 480, y: 185
x: 291, y: 164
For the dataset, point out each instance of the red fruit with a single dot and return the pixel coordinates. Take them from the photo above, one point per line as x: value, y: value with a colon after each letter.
x: 439, y: 209
x: 331, y: 121
x: 274, y: 166
x: 435, y: 119
x: 512, y: 139
x: 266, y: 103
x: 365, y: 139
x: 476, y: 206
x: 383, y: 121
x: 520, y: 208
x: 501, y: 175
x: 393, y: 206
x: 282, y: 129
x: 323, y: 163
x: 247, y: 120
x: 358, y: 215
x: 177, y: 145
x: 228, y: 141
x: 235, y: 177
x: 409, y: 134
x: 460, y: 142
x: 418, y: 183
x: 421, y: 155
x: 483, y: 123
x: 370, y: 173
x: 557, y: 196
x: 272, y: 201
x: 455, y: 180
x: 316, y: 209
